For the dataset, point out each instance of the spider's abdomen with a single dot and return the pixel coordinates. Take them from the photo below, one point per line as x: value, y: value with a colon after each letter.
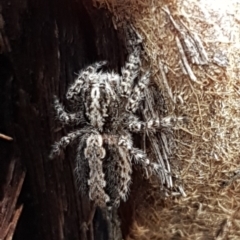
x: 94, y: 153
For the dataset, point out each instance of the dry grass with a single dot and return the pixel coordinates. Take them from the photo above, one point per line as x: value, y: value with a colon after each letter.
x: 204, y: 86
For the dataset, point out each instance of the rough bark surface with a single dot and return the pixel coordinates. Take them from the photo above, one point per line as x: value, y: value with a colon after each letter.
x: 43, y: 43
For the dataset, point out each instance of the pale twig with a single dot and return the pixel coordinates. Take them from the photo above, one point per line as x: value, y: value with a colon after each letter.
x: 165, y: 82
x: 185, y: 61
x: 3, y: 136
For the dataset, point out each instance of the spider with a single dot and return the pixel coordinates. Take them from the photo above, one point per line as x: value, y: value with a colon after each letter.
x: 113, y: 111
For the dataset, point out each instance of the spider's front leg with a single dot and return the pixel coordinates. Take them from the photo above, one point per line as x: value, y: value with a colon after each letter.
x: 65, y: 141
x: 74, y: 90
x: 94, y: 153
x: 130, y: 72
x: 133, y: 38
x: 64, y: 117
x: 95, y: 67
x: 138, y: 93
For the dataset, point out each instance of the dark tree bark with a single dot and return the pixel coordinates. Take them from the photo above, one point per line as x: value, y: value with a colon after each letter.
x: 43, y: 43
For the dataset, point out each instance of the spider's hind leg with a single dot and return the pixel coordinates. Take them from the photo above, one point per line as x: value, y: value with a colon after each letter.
x: 65, y: 141
x: 138, y: 155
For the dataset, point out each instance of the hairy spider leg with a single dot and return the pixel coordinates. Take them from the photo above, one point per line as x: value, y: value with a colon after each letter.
x: 74, y: 90
x: 94, y: 153
x: 130, y: 72
x: 141, y: 158
x: 64, y: 117
x: 137, y: 93
x: 153, y: 124
x: 95, y: 66
x: 135, y: 125
x: 138, y: 155
x: 66, y: 140
x: 133, y: 38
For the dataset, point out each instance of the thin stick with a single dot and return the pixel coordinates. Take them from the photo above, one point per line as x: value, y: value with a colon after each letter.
x: 3, y: 136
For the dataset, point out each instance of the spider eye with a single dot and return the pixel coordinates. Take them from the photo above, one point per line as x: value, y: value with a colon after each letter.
x: 131, y: 127
x: 90, y: 69
x: 68, y: 95
x: 128, y: 108
x: 134, y: 97
x: 137, y: 127
x: 126, y: 74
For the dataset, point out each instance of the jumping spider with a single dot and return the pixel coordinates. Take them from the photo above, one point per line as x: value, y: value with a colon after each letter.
x: 112, y: 110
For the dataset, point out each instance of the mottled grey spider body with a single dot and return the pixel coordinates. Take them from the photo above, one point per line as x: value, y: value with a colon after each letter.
x: 109, y: 114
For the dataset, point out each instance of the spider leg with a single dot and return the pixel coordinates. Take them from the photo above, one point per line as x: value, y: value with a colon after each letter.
x: 64, y: 117
x: 95, y: 66
x: 135, y: 125
x: 65, y: 141
x: 133, y: 38
x: 74, y: 90
x: 94, y: 153
x: 137, y: 93
x: 153, y: 124
x: 130, y: 72
x: 113, y: 79
x: 138, y: 155
x: 141, y: 158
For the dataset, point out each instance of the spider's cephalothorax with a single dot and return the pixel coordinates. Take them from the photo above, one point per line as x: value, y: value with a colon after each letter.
x: 114, y: 108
